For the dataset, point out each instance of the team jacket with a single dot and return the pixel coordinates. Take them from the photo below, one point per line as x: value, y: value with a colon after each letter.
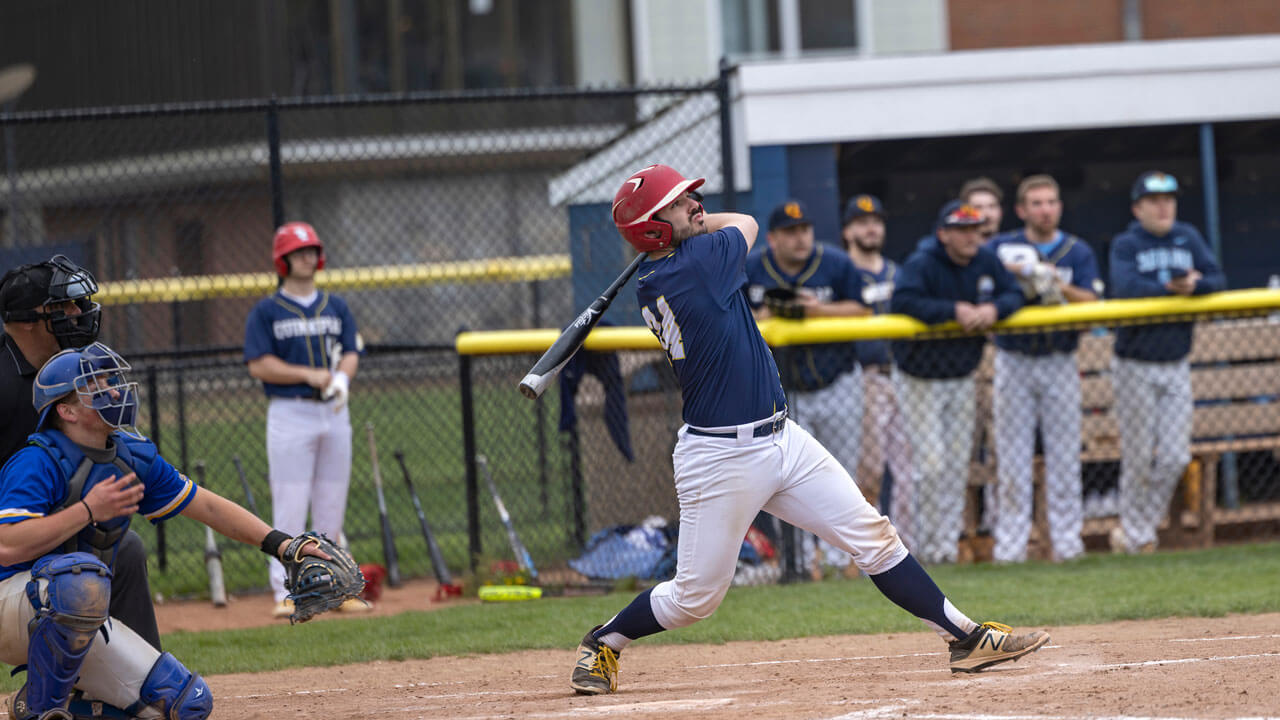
x: 928, y: 287
x: 830, y: 275
x: 1076, y: 265
x: 1141, y: 264
x: 37, y: 482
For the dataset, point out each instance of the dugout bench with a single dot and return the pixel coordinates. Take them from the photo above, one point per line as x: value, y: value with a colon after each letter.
x: 1235, y: 381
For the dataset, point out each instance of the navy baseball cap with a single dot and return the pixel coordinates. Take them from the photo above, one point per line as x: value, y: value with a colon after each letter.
x: 789, y: 214
x: 861, y: 206
x: 1153, y: 182
x: 959, y: 213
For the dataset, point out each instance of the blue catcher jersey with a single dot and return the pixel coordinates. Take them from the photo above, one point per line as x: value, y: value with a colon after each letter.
x: 299, y: 335
x: 692, y: 300
x: 1076, y: 265
x: 830, y: 275
x: 33, y: 483
x: 877, y: 290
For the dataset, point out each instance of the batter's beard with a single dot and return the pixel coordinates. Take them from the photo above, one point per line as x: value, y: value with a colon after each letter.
x: 868, y: 248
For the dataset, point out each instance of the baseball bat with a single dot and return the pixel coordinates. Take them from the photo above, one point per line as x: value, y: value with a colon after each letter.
x: 248, y: 493
x: 212, y: 555
x: 388, y: 539
x: 437, y: 558
x: 522, y: 553
x: 563, y: 349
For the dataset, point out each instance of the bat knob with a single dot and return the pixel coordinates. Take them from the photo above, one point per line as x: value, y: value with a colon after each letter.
x: 532, y: 386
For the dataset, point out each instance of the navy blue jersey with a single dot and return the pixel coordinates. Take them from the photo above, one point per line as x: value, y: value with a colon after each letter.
x: 299, y: 335
x: 877, y: 290
x: 830, y: 275
x: 1076, y: 265
x: 928, y: 288
x: 1141, y: 264
x: 692, y: 300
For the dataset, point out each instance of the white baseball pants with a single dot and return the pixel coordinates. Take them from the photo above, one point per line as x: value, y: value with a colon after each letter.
x: 1042, y: 389
x: 939, y: 414
x: 1153, y: 406
x: 309, y: 456
x: 722, y: 483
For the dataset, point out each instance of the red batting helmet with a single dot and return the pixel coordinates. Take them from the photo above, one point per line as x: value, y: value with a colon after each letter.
x: 643, y: 195
x: 295, y: 236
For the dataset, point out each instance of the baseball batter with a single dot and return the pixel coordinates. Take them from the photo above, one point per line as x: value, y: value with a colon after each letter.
x: 884, y: 439
x: 303, y: 345
x: 949, y: 277
x: 737, y: 452
x: 1036, y: 380
x: 1155, y: 256
x: 67, y: 500
x: 823, y: 383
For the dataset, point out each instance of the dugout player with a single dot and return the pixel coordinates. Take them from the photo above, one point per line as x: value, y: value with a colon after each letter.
x: 952, y: 277
x: 46, y: 307
x: 1155, y: 256
x: 738, y: 452
x: 823, y: 382
x: 984, y: 194
x: 303, y: 345
x: 884, y: 435
x: 67, y: 500
x: 1036, y: 380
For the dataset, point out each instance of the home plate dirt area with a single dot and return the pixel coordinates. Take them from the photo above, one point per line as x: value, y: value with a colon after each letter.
x: 1173, y: 668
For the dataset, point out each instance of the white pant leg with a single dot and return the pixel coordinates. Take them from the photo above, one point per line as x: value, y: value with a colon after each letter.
x: 721, y: 483
x: 332, y: 473
x: 922, y: 402
x: 112, y: 672
x: 833, y: 416
x: 897, y: 450
x: 871, y: 453
x: 292, y: 444
x: 1134, y: 409
x: 958, y: 412
x: 1060, y: 429
x: 818, y: 494
x: 1015, y: 403
x: 1173, y: 410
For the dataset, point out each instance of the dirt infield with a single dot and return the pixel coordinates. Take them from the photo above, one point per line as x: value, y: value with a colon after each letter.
x: 1174, y: 668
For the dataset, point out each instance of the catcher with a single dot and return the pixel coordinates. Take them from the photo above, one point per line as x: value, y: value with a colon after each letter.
x: 67, y: 500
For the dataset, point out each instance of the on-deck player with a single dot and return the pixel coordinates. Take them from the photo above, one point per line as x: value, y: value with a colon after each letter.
x: 738, y: 452
x: 1036, y: 380
x: 1155, y: 256
x: 68, y: 499
x: 303, y: 345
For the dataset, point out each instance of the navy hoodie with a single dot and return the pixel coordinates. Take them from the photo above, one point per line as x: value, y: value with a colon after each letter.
x: 1141, y: 264
x: 929, y: 285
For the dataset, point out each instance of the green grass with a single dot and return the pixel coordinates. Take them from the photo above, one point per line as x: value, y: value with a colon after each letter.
x: 1099, y: 588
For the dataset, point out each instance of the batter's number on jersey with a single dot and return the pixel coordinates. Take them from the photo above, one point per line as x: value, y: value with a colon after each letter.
x: 667, y: 330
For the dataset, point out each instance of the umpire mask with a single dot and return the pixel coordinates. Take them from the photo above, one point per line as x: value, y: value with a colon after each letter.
x: 27, y: 291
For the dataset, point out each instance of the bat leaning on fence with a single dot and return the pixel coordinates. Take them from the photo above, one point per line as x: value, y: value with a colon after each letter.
x: 447, y: 586
x: 212, y: 555
x: 248, y: 494
x: 522, y: 553
x: 560, y: 352
x: 388, y: 539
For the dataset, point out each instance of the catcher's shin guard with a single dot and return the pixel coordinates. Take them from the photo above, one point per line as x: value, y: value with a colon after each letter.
x: 173, y: 690
x: 70, y: 594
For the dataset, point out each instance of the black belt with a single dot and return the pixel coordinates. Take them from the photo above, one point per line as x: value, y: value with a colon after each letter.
x: 762, y: 430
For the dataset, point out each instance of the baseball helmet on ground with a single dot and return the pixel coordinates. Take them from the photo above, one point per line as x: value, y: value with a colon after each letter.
x: 292, y: 237
x: 94, y: 372
x: 641, y: 197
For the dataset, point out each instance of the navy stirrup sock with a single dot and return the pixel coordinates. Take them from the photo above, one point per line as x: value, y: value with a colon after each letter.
x: 635, y: 621
x: 911, y: 588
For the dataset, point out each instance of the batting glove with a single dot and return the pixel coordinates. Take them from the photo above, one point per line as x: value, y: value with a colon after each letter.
x: 337, y: 390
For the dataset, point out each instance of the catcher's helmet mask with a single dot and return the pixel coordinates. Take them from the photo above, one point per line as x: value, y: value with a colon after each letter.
x: 642, y: 197
x: 97, y: 374
x: 30, y: 290
x: 290, y: 238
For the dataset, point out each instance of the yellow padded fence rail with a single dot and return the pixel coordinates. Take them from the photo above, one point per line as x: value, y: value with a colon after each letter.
x: 823, y: 330
x: 205, y: 287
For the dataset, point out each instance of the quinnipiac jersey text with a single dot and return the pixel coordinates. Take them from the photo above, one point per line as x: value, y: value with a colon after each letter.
x: 692, y: 300
x: 298, y: 335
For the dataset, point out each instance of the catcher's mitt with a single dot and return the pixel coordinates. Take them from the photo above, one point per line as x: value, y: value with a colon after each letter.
x: 783, y: 303
x: 315, y: 584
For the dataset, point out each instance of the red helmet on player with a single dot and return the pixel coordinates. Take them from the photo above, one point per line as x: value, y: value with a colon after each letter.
x: 295, y: 236
x: 642, y: 196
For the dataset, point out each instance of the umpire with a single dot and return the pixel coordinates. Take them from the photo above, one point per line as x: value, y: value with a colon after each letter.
x: 47, y: 307
x: 796, y: 278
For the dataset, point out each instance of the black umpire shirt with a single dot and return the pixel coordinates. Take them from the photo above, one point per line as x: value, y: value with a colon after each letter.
x: 16, y: 377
